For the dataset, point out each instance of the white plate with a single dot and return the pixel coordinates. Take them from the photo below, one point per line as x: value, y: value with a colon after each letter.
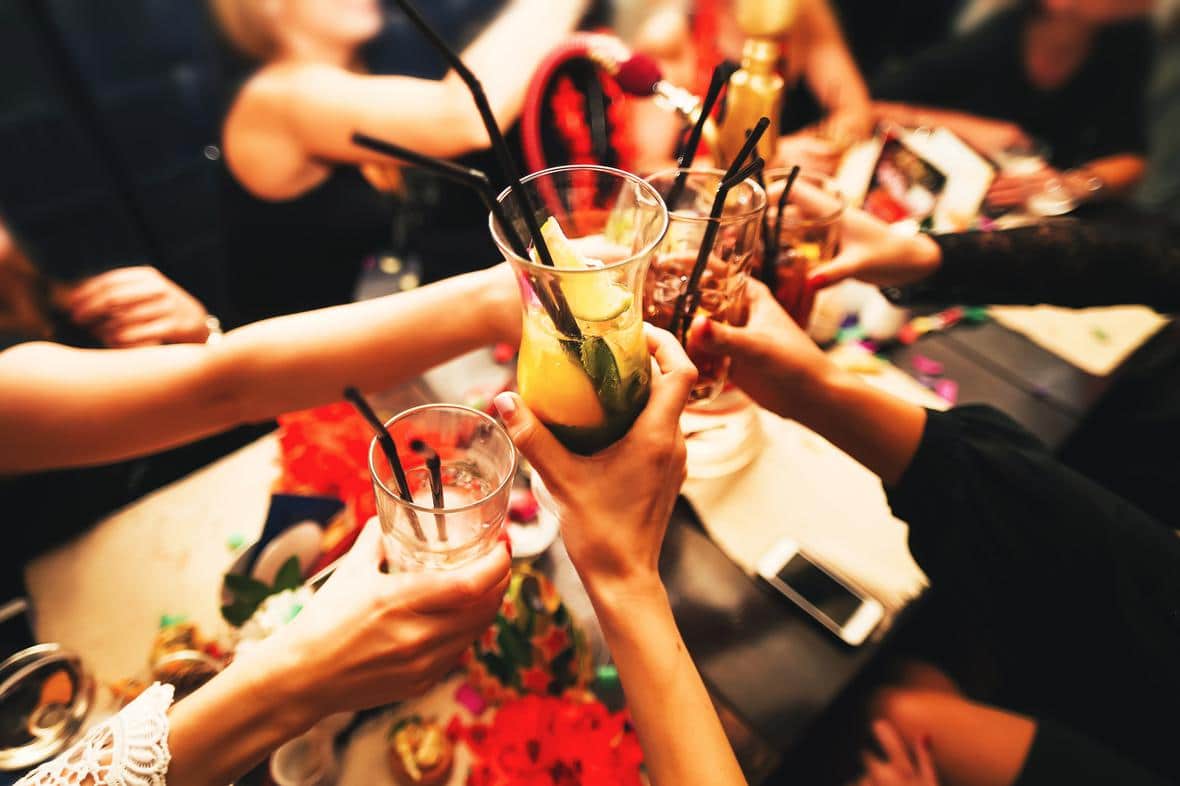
x: 301, y: 540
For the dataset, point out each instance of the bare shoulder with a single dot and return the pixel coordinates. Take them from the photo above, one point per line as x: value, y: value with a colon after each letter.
x: 260, y: 138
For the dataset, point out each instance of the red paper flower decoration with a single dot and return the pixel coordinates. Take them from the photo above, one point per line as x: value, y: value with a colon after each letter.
x: 552, y: 741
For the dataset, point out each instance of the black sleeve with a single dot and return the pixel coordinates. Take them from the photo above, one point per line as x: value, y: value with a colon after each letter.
x: 1070, y: 263
x: 936, y: 75
x: 1076, y: 585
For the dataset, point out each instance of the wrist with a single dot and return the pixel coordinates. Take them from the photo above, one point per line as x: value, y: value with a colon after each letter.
x: 616, y: 597
x: 494, y: 289
x: 279, y: 678
x: 926, y: 255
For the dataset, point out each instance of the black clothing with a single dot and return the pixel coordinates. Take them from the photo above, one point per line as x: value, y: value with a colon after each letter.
x: 1066, y: 263
x: 1127, y: 442
x: 303, y: 253
x: 1077, y: 590
x: 1061, y: 756
x: 1098, y: 112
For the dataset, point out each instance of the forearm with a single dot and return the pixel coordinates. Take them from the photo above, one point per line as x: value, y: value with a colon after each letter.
x: 303, y: 360
x: 1119, y: 173
x: 507, y: 53
x: 830, y: 70
x: 879, y: 430
x: 674, y: 717
x: 69, y: 407
x: 230, y: 724
x: 975, y: 130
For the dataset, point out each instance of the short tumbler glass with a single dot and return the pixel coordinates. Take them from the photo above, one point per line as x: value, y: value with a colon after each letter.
x: 478, y: 466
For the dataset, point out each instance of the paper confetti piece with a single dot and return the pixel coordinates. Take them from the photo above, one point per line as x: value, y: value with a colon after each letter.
x: 947, y: 390
x: 907, y: 334
x: 503, y: 352
x: 235, y: 541
x: 927, y: 366
x: 975, y: 315
x: 469, y: 697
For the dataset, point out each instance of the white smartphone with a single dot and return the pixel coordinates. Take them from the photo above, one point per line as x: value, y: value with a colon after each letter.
x: 845, y: 611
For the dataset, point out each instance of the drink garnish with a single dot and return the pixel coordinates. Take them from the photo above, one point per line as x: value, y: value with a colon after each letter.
x: 591, y: 298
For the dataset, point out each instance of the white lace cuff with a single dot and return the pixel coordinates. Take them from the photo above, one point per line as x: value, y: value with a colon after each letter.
x: 128, y: 749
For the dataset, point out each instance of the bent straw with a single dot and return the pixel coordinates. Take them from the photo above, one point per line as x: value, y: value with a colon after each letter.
x: 782, y: 204
x: 434, y: 466
x: 752, y: 138
x: 556, y: 307
x: 388, y: 446
x: 690, y: 298
x: 472, y: 178
x: 688, y: 152
x: 524, y: 204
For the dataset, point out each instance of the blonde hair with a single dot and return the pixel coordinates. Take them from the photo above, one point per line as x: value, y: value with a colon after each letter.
x: 244, y: 25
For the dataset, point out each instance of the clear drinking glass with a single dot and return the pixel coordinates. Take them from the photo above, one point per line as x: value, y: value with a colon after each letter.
x: 583, y: 366
x: 809, y: 235
x: 478, y: 463
x: 723, y: 281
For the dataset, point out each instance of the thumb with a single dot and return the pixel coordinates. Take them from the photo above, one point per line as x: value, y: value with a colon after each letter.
x: 717, y: 338
x: 535, y: 442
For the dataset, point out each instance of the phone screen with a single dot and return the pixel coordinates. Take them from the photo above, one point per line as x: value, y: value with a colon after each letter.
x: 819, y: 589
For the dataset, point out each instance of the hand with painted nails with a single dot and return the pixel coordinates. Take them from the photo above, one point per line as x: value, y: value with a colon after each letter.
x: 377, y: 637
x: 771, y: 355
x: 614, y: 505
x: 898, y: 766
x: 872, y: 252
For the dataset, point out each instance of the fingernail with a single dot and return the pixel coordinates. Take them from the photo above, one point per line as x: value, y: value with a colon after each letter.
x: 818, y: 281
x: 505, y: 405
x: 705, y: 330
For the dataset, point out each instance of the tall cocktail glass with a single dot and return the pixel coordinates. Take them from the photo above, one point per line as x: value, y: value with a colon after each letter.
x: 723, y: 282
x: 584, y: 367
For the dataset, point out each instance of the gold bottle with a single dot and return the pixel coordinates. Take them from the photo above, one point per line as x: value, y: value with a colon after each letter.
x: 756, y: 89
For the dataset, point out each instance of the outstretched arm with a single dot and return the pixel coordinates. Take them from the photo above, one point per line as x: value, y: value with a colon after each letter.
x: 614, y: 541
x: 318, y: 107
x: 70, y: 407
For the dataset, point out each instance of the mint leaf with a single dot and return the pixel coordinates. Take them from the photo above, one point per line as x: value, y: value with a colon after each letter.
x: 289, y: 576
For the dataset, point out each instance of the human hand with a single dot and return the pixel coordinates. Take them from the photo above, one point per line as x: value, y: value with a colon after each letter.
x: 369, y: 638
x: 810, y: 152
x: 898, y: 768
x: 614, y: 505
x: 1013, y: 190
x: 771, y: 355
x: 872, y: 252
x: 136, y: 306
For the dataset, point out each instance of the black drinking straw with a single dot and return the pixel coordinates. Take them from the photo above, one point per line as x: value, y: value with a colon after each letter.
x: 769, y: 247
x: 387, y: 446
x: 553, y: 302
x: 690, y: 298
x: 782, y: 204
x: 523, y: 203
x: 472, y: 178
x: 688, y: 152
x: 753, y: 136
x: 434, y: 466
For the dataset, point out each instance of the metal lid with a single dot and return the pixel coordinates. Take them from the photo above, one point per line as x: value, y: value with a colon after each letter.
x: 45, y: 697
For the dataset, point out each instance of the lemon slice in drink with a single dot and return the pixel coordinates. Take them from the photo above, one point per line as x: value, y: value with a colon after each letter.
x: 591, y: 298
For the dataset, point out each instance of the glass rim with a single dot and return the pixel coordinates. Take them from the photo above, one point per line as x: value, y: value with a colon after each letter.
x: 509, y: 477
x: 719, y: 173
x: 512, y: 256
x: 780, y: 173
